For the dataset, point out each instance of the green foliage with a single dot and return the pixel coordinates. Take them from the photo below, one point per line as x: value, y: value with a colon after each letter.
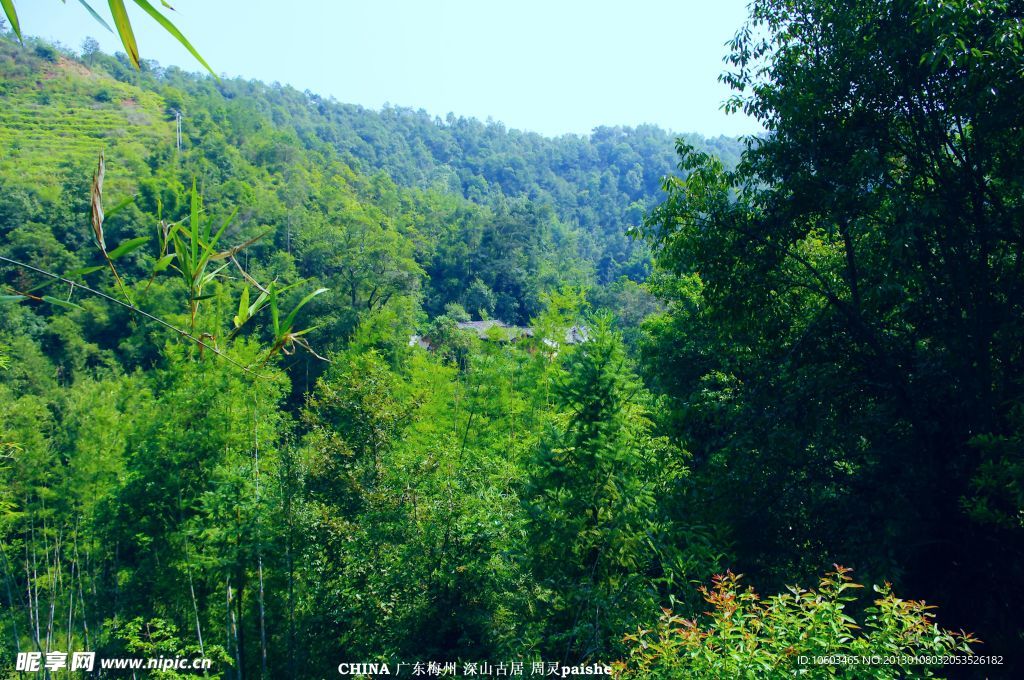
x: 123, y: 25
x: 481, y: 299
x: 829, y: 349
x: 591, y: 501
x: 44, y: 143
x: 416, y: 529
x: 158, y: 638
x: 563, y: 309
x: 745, y: 637
x: 996, y: 495
x: 364, y: 238
x: 843, y: 326
x: 46, y: 52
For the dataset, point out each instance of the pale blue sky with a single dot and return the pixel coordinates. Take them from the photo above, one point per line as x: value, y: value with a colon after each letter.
x: 551, y: 67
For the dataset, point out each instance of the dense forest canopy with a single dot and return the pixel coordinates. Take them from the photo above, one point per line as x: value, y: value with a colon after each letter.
x: 245, y: 416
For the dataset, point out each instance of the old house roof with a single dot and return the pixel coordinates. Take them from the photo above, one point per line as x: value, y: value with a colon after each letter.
x: 491, y: 329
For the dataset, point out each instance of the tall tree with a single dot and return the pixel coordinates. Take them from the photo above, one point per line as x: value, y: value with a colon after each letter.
x: 591, y: 502
x: 850, y: 356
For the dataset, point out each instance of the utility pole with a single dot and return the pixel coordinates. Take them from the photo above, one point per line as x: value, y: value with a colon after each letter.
x: 177, y: 123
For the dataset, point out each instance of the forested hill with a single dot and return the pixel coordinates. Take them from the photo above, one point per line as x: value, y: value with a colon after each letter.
x: 386, y: 501
x: 219, y: 437
x: 601, y: 184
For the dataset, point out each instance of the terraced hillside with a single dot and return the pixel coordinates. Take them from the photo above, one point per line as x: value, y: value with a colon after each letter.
x: 58, y: 120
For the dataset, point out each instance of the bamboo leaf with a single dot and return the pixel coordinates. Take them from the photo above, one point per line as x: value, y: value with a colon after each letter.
x: 208, y: 277
x: 194, y: 221
x: 297, y: 334
x: 220, y: 232
x: 234, y: 250
x: 184, y: 262
x: 163, y: 263
x: 120, y: 206
x: 82, y: 271
x: 12, y: 298
x: 243, y: 307
x: 273, y: 310
x: 174, y: 229
x: 60, y: 303
x: 12, y: 16
x: 290, y: 319
x: 127, y: 247
x: 124, y: 29
x: 96, y: 16
x: 261, y: 301
x: 41, y: 286
x: 292, y: 285
x: 173, y: 30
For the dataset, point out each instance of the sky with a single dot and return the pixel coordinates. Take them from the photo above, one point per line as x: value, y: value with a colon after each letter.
x: 554, y: 66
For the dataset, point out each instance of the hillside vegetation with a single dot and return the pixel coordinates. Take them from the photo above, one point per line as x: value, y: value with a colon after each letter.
x: 246, y: 414
x: 57, y: 116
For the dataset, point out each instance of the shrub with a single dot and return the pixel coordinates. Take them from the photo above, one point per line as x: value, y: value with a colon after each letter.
x: 745, y: 637
x: 157, y: 638
x: 47, y: 52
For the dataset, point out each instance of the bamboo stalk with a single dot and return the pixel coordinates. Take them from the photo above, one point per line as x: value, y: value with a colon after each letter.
x: 188, y: 571
x: 10, y: 599
x: 81, y: 595
x: 259, y: 546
